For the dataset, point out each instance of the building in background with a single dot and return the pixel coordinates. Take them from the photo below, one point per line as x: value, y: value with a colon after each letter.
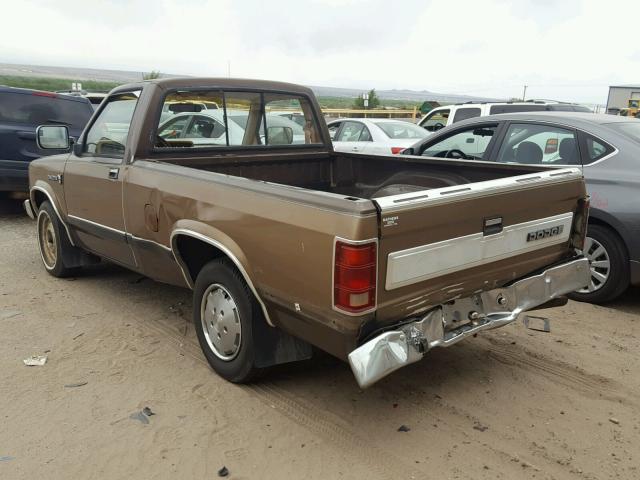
x: 619, y: 97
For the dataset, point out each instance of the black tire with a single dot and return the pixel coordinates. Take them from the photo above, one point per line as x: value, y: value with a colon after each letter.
x: 617, y: 279
x: 220, y: 278
x: 53, y: 242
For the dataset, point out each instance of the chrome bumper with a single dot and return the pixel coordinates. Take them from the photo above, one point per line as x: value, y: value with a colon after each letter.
x: 450, y: 323
x: 29, y: 209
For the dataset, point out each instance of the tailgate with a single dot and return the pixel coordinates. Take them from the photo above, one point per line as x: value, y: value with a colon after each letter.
x: 440, y: 244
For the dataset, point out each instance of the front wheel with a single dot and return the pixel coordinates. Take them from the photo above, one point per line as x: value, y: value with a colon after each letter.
x: 223, y: 311
x: 609, y: 266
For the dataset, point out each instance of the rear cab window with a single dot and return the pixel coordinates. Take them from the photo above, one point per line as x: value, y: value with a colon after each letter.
x: 224, y: 118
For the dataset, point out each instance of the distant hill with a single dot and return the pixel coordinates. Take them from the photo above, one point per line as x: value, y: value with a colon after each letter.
x: 123, y: 76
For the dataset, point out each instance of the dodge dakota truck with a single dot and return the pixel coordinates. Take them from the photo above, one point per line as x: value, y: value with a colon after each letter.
x: 287, y: 244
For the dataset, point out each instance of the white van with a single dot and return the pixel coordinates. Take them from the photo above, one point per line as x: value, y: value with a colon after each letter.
x: 440, y: 117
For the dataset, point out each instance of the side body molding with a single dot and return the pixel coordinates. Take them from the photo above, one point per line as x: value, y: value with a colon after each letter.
x: 55, y: 208
x: 185, y: 270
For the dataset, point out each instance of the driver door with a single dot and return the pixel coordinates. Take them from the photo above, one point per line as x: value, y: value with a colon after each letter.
x: 93, y: 180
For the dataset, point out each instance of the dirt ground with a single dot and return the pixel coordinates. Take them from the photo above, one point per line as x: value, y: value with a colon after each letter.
x: 512, y: 403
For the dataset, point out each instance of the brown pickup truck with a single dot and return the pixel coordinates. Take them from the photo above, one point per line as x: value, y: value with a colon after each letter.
x: 210, y: 184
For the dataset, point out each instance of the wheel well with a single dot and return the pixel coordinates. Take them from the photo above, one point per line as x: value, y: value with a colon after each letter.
x: 602, y: 223
x: 38, y: 198
x: 195, y: 254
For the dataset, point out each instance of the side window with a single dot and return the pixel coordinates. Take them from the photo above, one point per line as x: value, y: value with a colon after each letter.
x: 434, y: 121
x: 350, y: 132
x: 539, y: 144
x: 333, y: 129
x: 510, y: 108
x: 207, y: 130
x: 365, y: 136
x: 469, y: 144
x: 174, y: 127
x: 107, y: 136
x: 464, y: 113
x: 596, y: 149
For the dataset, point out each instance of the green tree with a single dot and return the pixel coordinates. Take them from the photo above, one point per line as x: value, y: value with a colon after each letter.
x: 374, y: 100
x: 151, y: 75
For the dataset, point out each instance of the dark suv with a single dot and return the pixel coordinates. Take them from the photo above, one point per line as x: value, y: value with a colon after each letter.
x: 21, y: 111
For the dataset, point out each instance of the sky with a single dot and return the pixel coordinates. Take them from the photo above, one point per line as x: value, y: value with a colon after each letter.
x: 562, y: 49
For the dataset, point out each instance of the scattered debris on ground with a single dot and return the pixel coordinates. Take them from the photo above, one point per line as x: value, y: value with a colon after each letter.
x: 223, y: 472
x: 142, y: 416
x: 75, y: 385
x: 539, y: 324
x: 35, y: 361
x: 403, y: 428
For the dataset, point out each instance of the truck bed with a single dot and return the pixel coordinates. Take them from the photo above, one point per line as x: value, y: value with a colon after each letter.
x: 356, y: 175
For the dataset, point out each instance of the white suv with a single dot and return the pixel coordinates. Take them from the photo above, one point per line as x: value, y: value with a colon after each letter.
x: 442, y: 116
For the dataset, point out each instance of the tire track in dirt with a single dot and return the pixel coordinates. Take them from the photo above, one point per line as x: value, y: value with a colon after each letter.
x: 328, y: 426
x: 569, y: 375
x: 307, y: 415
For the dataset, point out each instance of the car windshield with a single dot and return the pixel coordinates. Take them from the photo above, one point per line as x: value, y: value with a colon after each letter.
x: 629, y: 129
x: 402, y: 130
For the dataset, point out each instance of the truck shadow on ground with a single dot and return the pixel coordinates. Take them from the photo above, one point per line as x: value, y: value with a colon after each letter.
x: 10, y: 207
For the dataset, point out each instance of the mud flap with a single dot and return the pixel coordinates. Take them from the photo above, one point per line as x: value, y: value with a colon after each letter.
x: 277, y: 347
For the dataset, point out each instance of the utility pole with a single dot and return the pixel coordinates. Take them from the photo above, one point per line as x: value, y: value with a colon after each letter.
x: 229, y: 68
x: 524, y: 93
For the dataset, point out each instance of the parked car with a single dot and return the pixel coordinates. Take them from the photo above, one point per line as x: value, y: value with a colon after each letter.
x: 375, y: 259
x: 606, y: 147
x: 447, y: 115
x: 207, y: 127
x: 21, y: 111
x: 368, y: 135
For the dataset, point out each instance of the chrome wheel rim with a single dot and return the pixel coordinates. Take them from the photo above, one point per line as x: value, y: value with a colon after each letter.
x: 221, y: 322
x: 599, y: 264
x: 47, y: 240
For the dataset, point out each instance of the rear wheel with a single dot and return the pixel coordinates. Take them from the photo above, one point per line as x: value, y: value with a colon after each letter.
x: 223, y: 311
x: 609, y: 266
x: 53, y: 242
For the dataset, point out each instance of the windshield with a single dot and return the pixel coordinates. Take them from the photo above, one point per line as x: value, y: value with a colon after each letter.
x: 402, y: 130
x: 630, y: 129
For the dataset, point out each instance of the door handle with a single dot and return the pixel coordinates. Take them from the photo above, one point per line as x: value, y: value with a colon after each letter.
x: 113, y: 173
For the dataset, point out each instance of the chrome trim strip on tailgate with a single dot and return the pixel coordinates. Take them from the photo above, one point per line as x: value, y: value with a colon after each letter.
x: 468, y: 191
x: 421, y: 263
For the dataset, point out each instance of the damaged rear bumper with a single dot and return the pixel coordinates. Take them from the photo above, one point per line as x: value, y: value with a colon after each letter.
x: 449, y: 323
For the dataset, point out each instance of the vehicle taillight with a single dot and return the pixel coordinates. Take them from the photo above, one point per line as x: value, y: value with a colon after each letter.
x: 580, y: 221
x: 396, y: 150
x: 354, y: 280
x: 44, y: 94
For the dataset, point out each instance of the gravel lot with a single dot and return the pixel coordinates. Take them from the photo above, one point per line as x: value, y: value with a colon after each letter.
x: 512, y: 403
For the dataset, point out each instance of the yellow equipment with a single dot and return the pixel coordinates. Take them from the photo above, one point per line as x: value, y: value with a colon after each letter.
x: 633, y: 110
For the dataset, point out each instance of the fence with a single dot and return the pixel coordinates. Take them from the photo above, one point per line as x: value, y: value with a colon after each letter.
x: 371, y: 113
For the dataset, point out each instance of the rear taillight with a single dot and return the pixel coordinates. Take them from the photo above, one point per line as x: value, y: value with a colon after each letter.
x: 44, y: 94
x: 580, y: 221
x: 354, y: 278
x: 396, y: 150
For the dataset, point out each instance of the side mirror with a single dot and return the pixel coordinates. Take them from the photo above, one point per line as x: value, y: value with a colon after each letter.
x: 280, y: 135
x: 408, y: 151
x: 52, y: 137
